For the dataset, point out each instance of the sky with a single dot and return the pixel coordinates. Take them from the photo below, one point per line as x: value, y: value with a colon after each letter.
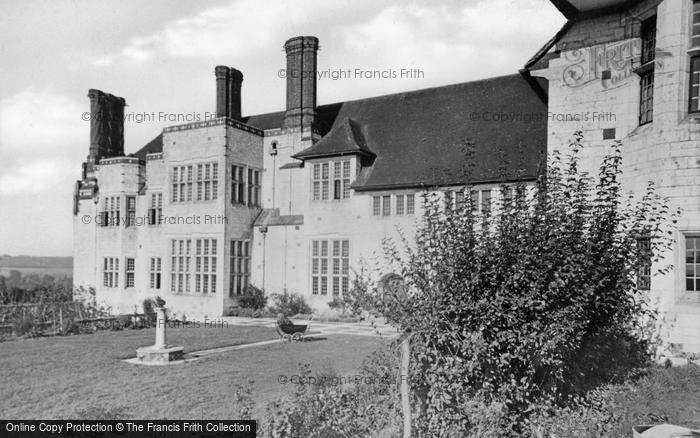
x: 160, y: 56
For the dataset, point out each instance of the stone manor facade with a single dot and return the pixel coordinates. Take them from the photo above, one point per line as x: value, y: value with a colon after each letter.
x: 299, y: 199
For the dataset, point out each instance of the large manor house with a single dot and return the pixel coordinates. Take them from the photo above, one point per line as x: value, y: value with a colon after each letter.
x: 298, y: 200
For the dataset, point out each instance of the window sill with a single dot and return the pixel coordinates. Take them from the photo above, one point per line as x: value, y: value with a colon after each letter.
x: 242, y: 205
x: 201, y: 201
x: 393, y: 216
x: 193, y: 294
x: 688, y: 298
x: 691, y: 118
x: 694, y: 51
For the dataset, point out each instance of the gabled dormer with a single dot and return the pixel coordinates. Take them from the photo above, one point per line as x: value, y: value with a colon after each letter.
x: 336, y: 160
x: 346, y: 138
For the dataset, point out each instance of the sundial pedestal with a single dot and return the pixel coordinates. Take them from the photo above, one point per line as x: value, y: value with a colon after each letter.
x: 160, y: 352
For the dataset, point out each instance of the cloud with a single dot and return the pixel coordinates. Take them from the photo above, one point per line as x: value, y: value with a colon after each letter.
x: 239, y: 28
x: 454, y: 38
x: 42, y: 137
x: 39, y: 120
x: 34, y: 178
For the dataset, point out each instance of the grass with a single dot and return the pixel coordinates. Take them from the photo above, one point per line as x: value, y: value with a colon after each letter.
x: 65, y: 377
x: 667, y: 395
x: 662, y: 395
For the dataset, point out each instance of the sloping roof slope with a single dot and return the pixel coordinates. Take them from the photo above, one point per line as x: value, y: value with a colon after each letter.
x: 418, y: 138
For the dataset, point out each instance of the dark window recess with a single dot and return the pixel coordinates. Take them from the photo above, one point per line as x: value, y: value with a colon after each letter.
x: 337, y: 189
x: 609, y: 134
x: 648, y: 39
x: 606, y: 74
x: 696, y: 24
x: 644, y: 263
x: 130, y: 211
x: 694, y: 96
x: 646, y: 83
x: 692, y: 263
x: 646, y: 98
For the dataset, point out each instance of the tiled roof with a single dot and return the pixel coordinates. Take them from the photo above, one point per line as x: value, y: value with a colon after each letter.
x: 153, y: 146
x: 346, y: 137
x: 418, y: 137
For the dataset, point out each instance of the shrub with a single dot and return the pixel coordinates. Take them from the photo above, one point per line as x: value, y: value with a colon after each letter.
x: 289, y: 304
x: 315, y: 409
x: 253, y: 298
x: 245, y: 312
x: 124, y: 321
x: 149, y: 309
x: 359, y: 298
x: 243, y: 400
x: 26, y: 325
x: 529, y: 306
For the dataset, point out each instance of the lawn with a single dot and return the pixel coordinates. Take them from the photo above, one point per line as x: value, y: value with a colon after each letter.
x: 662, y: 395
x: 667, y: 395
x: 64, y: 377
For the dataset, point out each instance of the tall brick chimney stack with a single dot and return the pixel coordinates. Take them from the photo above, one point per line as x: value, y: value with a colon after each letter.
x: 228, y: 92
x: 221, y: 73
x: 235, y: 80
x: 301, y: 81
x: 106, y: 126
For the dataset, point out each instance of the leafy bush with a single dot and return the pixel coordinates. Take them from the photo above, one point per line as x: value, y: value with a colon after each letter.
x: 254, y: 298
x: 124, y: 322
x: 245, y: 312
x: 243, y: 400
x: 289, y: 304
x: 149, y: 309
x: 366, y: 408
x: 360, y: 296
x: 26, y: 325
x: 530, y: 306
x: 17, y: 288
x: 54, y: 310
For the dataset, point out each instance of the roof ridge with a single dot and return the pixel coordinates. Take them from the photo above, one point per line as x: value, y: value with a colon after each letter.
x: 401, y: 93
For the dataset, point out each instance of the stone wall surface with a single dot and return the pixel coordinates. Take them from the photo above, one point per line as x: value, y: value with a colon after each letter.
x: 594, y: 74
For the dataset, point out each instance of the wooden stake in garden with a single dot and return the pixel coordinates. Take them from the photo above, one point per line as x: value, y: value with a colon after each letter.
x: 393, y: 292
x: 405, y: 392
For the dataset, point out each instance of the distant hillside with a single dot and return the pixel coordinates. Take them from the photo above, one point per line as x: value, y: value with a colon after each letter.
x: 23, y: 261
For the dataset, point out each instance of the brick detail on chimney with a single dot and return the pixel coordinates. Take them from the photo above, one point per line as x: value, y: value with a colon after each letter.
x: 106, y: 126
x: 235, y: 80
x: 228, y: 92
x: 222, y: 107
x: 301, y: 81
